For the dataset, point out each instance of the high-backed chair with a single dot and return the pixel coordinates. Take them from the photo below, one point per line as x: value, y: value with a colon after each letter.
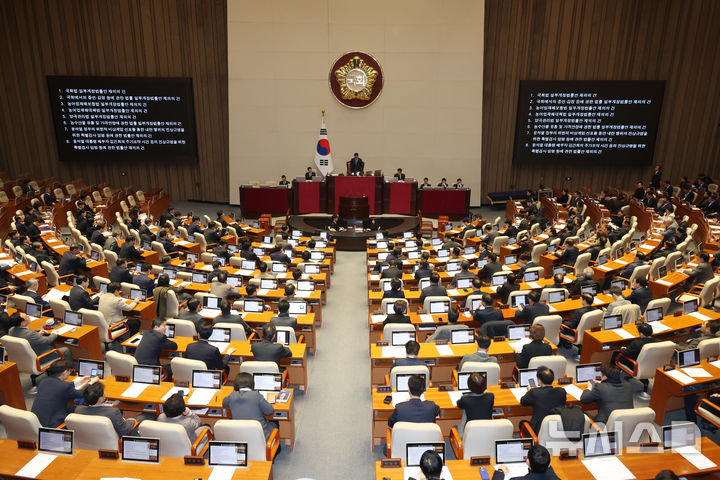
x: 412, y: 370
x: 500, y: 241
x: 172, y: 306
x: 552, y: 435
x: 183, y: 328
x: 107, y: 334
x: 92, y: 432
x: 629, y: 313
x: 174, y: 441
x: 468, y: 300
x: 479, y: 438
x: 396, y: 327
x: 120, y: 363
x: 625, y: 421
x: 19, y: 351
x: 652, y: 356
x: 491, y: 370
x: 21, y: 301
x: 255, y: 366
x: 556, y: 363
x: 52, y: 276
x: 705, y: 293
x: 582, y: 262
x: 552, y: 327
x: 182, y: 369
x: 403, y: 433
x: 111, y: 258
x: 639, y: 272
x: 590, y: 319
x: 290, y: 331
x: 250, y: 432
x: 709, y: 348
x: 19, y: 424
x: 59, y: 307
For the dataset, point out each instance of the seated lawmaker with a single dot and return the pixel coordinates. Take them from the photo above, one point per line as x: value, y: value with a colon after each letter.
x: 444, y: 332
x: 52, y: 402
x: 268, y: 350
x: 398, y: 315
x: 153, y: 342
x: 246, y: 404
x: 481, y: 355
x: 415, y: 410
x: 395, y: 291
x: 205, y: 352
x: 538, y: 461
x: 536, y: 348
x: 94, y: 395
x: 534, y: 309
x: 412, y: 349
x: 283, y: 318
x: 486, y: 312
x: 477, y: 403
x: 434, y: 290
x: 543, y: 398
x: 175, y: 411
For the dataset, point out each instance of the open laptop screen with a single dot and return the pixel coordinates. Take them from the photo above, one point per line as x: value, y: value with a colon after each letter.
x: 253, y: 306
x: 587, y: 371
x: 687, y: 358
x: 589, y: 289
x: 453, y: 267
x: 207, y: 379
x: 653, y: 314
x: 55, y: 440
x: 33, y: 310
x: 298, y: 308
x: 247, y: 265
x: 305, y: 285
x: 137, y: 294
x: 140, y: 449
x: 234, y: 281
x: 463, y: 380
x: 268, y: 284
x: 221, y: 260
x: 416, y: 450
x: 498, y: 279
x: 556, y: 297
x: 512, y: 451
x: 211, y: 302
x: 311, y: 268
x: 439, y: 306
x: 279, y: 267
x: 531, y: 276
x: 227, y: 454
x: 689, y: 306
x: 199, y: 277
x: 399, y: 339
x: 220, y: 334
x: 517, y: 300
x: 612, y: 321
x: 170, y: 272
x: 282, y: 337
x: 464, y: 283
x: 518, y: 332
x: 268, y: 381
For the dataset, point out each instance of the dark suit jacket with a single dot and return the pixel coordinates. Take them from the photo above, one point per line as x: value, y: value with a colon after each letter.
x: 530, y: 312
x: 211, y: 235
x: 37, y: 298
x: 543, y: 400
x: 488, y: 314
x: 609, y: 396
x: 79, y: 298
x: 641, y: 296
x: 152, y: 343
x: 280, y: 257
x: 489, y: 270
x: 203, y: 351
x: 121, y: 425
x: 393, y: 294
x: 536, y: 348
x: 120, y: 274
x: 129, y: 252
x: 70, y: 264
x: 284, y: 320
x: 422, y: 273
x: 569, y: 256
x: 266, y: 351
x: 633, y: 350
x: 574, y: 321
x: 51, y: 403
x: 391, y: 272
x: 144, y: 282
x: 477, y: 407
x: 505, y: 290
x: 414, y: 410
x: 396, y: 318
x: 549, y: 474
x: 194, y: 317
x: 408, y: 362
x: 356, y: 165
x: 432, y: 291
x: 237, y: 319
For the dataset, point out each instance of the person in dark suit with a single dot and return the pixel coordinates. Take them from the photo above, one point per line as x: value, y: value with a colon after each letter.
x: 508, y: 287
x: 164, y: 239
x: 528, y: 313
x: 415, y: 410
x: 412, y: 348
x: 168, y: 216
x: 487, y: 313
x: 444, y: 332
x: 227, y: 317
x: 443, y: 183
x: 703, y: 272
x: 357, y: 166
x: 543, y: 398
x: 31, y: 287
x: 283, y: 181
x: 267, y: 350
x: 152, y: 343
x: 128, y: 250
x: 42, y: 255
x: 392, y: 271
x: 641, y: 294
x: 41, y: 342
x: 79, y: 297
x: 399, y: 315
x: 587, y: 301
x: 395, y: 289
x: 426, y: 183
x: 97, y: 237
x: 309, y: 174
x: 423, y: 271
x: 458, y: 183
x: 193, y: 306
x: 645, y: 336
x: 630, y: 268
x: 48, y: 198
x: 399, y: 174
x: 477, y: 404
x: 538, y: 461
x: 434, y: 290
x: 70, y: 263
x: 491, y: 267
x: 283, y: 318
x: 569, y: 255
x: 143, y: 281
x: 612, y: 393
x: 463, y: 273
x: 51, y: 404
x: 212, y: 233
x: 536, y: 348
x: 246, y: 404
x: 94, y: 396
x: 481, y: 355
x: 203, y: 351
x: 119, y: 273
x: 195, y: 226
x: 431, y: 465
x: 336, y: 224
x: 656, y: 177
x: 277, y: 255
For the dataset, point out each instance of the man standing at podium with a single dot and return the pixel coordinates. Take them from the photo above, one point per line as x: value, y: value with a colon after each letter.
x: 357, y: 166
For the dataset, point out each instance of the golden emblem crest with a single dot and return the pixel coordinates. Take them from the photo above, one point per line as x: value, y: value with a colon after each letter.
x: 356, y: 79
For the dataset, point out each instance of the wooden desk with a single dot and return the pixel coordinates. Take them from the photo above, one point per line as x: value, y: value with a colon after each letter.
x: 85, y: 465
x: 296, y: 365
x: 450, y: 414
x: 306, y: 326
x: 11, y: 392
x: 424, y: 329
x: 599, y: 346
x: 667, y: 391
x: 85, y: 340
x: 662, y: 289
x: 21, y: 274
x: 564, y: 308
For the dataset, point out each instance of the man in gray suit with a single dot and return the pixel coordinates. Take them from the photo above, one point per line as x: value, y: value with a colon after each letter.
x: 220, y: 288
x: 94, y: 396
x: 703, y: 272
x: 246, y: 404
x: 618, y: 300
x: 51, y: 404
x: 483, y: 343
x: 268, y: 350
x: 463, y: 273
x: 41, y: 342
x: 443, y: 332
x: 283, y: 318
x: 191, y: 312
x: 612, y: 393
x: 434, y: 290
x: 226, y: 316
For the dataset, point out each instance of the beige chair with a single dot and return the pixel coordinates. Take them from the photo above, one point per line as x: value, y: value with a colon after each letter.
x: 237, y: 331
x: 652, y: 356
x: 19, y: 424
x: 409, y: 370
x: 131, y: 201
x: 127, y: 287
x: 397, y: 327
x: 92, y: 432
x: 140, y: 196
x: 59, y: 194
x: 479, y: 438
x: 97, y: 197
x: 705, y: 409
x: 52, y: 276
x: 174, y: 441
x: 403, y: 433
x: 107, y: 193
x: 97, y: 248
x: 98, y: 280
x: 633, y: 426
x: 552, y: 435
x: 183, y: 328
x: 709, y: 348
x: 107, y: 333
x: 158, y: 247
x: 500, y: 241
x: 385, y: 301
x: 706, y: 295
x: 250, y: 432
x: 255, y: 366
x: 491, y: 370
x: 434, y: 298
x: 629, y: 313
x: 589, y: 320
x: 21, y: 301
x: 556, y: 363
x: 468, y: 301
x: 468, y: 234
x: 70, y: 189
x: 111, y: 258
x: 200, y: 240
x: 182, y: 369
x: 582, y: 262
x: 289, y: 330
x: 3, y: 198
x: 639, y: 272
x: 552, y: 327
x: 59, y: 307
x: 120, y: 363
x: 654, y: 272
x: 18, y: 351
x: 659, y: 302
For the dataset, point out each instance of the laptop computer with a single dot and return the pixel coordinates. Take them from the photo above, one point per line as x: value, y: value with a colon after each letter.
x: 312, y: 268
x: 258, y: 251
x: 602, y: 259
x: 33, y: 310
x: 559, y: 270
x: 423, y: 283
x: 267, y: 382
x: 662, y: 271
x: 463, y: 380
x: 381, y: 256
x: 268, y: 284
x: 247, y: 265
x: 401, y: 381
x: 55, y: 441
x: 317, y: 256
x: 462, y: 337
x: 390, y: 308
x: 510, y: 259
x: 192, y: 256
x: 234, y: 281
x: 399, y: 339
x: 556, y: 296
x: 443, y: 253
x: 220, y: 260
x: 211, y: 379
x: 590, y: 289
x: 498, y: 280
x: 73, y: 318
x: 469, y: 250
x: 415, y: 451
x: 585, y: 372
x: 687, y: 358
x: 253, y: 306
x: 612, y: 321
x: 282, y: 337
x: 464, y: 283
x: 620, y: 283
x: 414, y: 255
x: 598, y: 444
x: 518, y: 332
x: 452, y: 267
x: 199, y: 277
x: 140, y: 449
x: 170, y: 272
x: 439, y: 306
x: 227, y: 454
x: 103, y: 287
x: 678, y: 435
x: 220, y: 334
x: 91, y: 368
x: 138, y: 294
x: 278, y: 267
x: 212, y: 303
x: 436, y: 241
x: 513, y: 451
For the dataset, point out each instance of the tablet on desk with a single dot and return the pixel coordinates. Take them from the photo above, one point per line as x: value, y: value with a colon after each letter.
x: 191, y: 256
x: 510, y: 259
x: 589, y: 289
x: 687, y: 358
x: 518, y: 300
x: 414, y: 255
x: 654, y: 314
x: 91, y: 368
x: 612, y: 321
x: 278, y: 267
x: 137, y: 294
x: 390, y: 308
x: 55, y: 441
x: 602, y: 259
x: 212, y: 303
x: 73, y: 318
x: 620, y: 283
x: 234, y: 281
x: 518, y: 332
x: 267, y: 382
x: 531, y: 276
x: 170, y: 272
x: 689, y: 306
x: 443, y: 253
x: 227, y: 454
x: 556, y: 296
x: 282, y: 337
x: 439, y: 307
x: 462, y: 337
x: 464, y: 283
x: 221, y: 260
x: 141, y: 449
x: 527, y: 374
x: 33, y: 310
x: 415, y: 451
x: 146, y: 374
x: 452, y: 267
x: 220, y: 334
x: 423, y: 283
x: 512, y: 451
x: 312, y: 268
x: 399, y: 339
x: 199, y: 277
x: 598, y: 444
x: 499, y: 279
x: 247, y: 265
x: 401, y: 381
x: 463, y: 380
x: 298, y: 308
x: 268, y: 284
x: 207, y: 379
x: 585, y: 372
x: 678, y: 435
x: 305, y: 285
x: 253, y: 306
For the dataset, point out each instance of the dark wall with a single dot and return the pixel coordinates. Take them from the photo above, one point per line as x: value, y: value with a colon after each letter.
x: 164, y: 38
x: 673, y: 40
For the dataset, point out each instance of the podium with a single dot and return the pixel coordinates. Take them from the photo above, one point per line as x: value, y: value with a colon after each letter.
x: 400, y: 197
x: 309, y: 196
x: 352, y: 208
x: 355, y: 187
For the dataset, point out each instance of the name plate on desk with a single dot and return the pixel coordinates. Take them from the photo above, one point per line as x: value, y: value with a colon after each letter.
x: 391, y: 463
x: 108, y: 454
x: 193, y: 460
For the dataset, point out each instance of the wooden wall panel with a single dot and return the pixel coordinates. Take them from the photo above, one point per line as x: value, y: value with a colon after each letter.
x: 673, y: 40
x: 165, y: 38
